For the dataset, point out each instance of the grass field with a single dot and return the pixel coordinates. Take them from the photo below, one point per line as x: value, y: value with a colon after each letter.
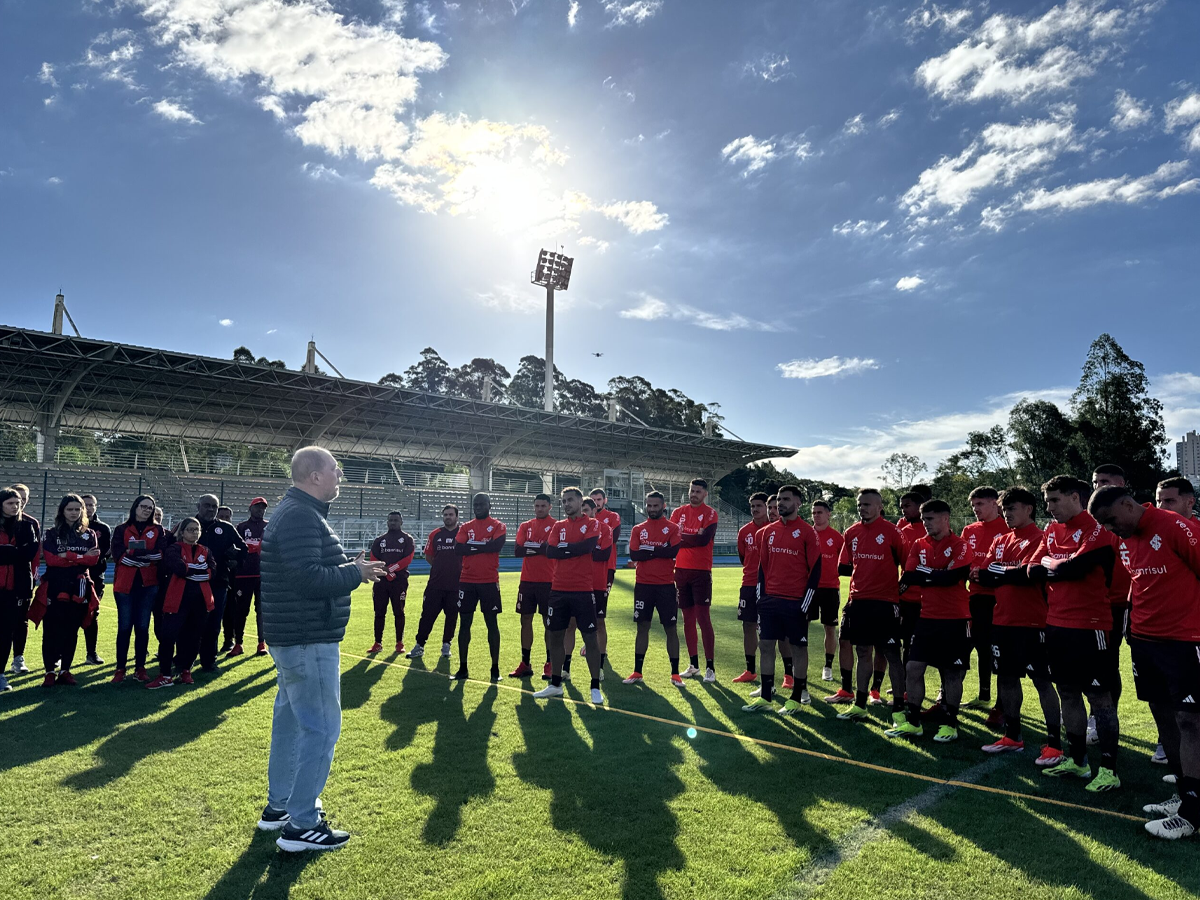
x: 476, y: 791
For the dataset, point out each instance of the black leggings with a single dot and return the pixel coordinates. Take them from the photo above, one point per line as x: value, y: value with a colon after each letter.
x: 438, y: 601
x: 60, y: 633
x: 491, y: 619
x: 10, y: 611
x: 386, y: 592
x: 179, y: 634
x: 243, y: 592
x: 20, y: 629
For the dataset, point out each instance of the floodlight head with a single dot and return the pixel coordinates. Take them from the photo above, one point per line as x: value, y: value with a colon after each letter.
x: 553, y: 270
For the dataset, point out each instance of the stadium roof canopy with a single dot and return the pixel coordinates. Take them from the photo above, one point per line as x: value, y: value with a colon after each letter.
x: 53, y: 381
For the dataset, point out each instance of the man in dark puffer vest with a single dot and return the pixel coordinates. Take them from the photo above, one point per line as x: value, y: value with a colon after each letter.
x: 306, y: 584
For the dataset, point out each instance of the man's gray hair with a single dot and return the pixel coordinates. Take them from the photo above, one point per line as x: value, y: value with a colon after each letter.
x: 213, y: 497
x: 307, y: 460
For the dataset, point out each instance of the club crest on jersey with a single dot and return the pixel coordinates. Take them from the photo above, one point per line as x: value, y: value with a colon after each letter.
x: 1156, y: 542
x: 796, y: 533
x: 879, y: 539
x: 218, y: 530
x: 582, y: 529
x: 490, y: 528
x: 665, y: 529
x: 1077, y: 535
x: 150, y: 533
x: 200, y: 558
x: 700, y: 518
x: 829, y: 542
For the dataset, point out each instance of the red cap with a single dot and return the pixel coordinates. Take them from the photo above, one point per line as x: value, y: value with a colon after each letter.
x: 258, y: 500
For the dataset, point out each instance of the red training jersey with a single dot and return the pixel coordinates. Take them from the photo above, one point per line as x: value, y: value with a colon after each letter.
x: 1018, y: 604
x: 573, y: 575
x: 748, y: 550
x: 480, y: 568
x: 600, y: 566
x: 535, y: 533
x: 911, y: 531
x: 1082, y: 603
x: 876, y: 551
x: 942, y: 601
x: 979, y: 537
x: 693, y: 520
x: 788, y: 552
x: 1163, y: 560
x: 613, y: 521
x: 830, y: 541
x: 653, y: 533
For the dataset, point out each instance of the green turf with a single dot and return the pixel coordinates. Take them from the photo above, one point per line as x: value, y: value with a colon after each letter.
x: 468, y: 791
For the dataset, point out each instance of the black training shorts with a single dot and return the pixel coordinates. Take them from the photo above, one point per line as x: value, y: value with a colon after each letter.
x: 1079, y: 658
x: 568, y: 605
x: 874, y: 623
x: 780, y: 619
x: 1019, y: 650
x: 825, y: 605
x: 533, y: 597
x: 748, y: 603
x: 1167, y: 673
x: 650, y: 597
x: 942, y: 643
x: 600, y: 600
x: 485, y: 596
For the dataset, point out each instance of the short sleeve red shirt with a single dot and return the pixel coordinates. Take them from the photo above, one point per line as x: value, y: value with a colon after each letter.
x: 788, y: 552
x: 693, y: 520
x: 938, y: 601
x: 1082, y: 603
x: 600, y: 567
x: 748, y: 546
x: 830, y: 541
x: 648, y: 535
x: 536, y: 532
x: 613, y: 521
x: 573, y: 575
x: 481, y: 568
x: 1164, y: 565
x: 876, y: 551
x: 979, y: 537
x: 1018, y: 604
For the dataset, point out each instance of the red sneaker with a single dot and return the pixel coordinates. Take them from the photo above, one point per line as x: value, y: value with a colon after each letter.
x: 524, y: 670
x: 399, y: 646
x: 262, y: 649
x: 375, y: 648
x: 118, y: 676
x: 677, y: 680
x: 161, y: 681
x: 788, y: 683
x: 236, y: 650
x: 1049, y: 756
x: 48, y: 681
x: 1004, y: 745
x: 143, y: 676
x: 873, y: 698
x: 547, y: 672
x: 746, y: 677
x: 67, y: 678
x: 185, y: 677
x: 840, y: 697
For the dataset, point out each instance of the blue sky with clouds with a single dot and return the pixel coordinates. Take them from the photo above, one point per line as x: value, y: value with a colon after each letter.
x: 858, y: 227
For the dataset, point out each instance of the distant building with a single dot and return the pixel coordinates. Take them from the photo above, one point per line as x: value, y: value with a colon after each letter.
x: 1187, y: 457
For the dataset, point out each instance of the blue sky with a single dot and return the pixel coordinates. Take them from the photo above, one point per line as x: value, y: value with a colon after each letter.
x: 859, y: 228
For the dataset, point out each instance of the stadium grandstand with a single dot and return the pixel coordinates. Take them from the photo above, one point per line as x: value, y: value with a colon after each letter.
x: 401, y: 449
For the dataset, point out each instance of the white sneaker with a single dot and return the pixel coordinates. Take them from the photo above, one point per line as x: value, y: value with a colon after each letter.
x: 804, y: 697
x: 597, y: 697
x: 1093, y: 736
x: 445, y: 651
x: 757, y: 692
x: 1169, y: 779
x: 1172, y: 828
x: 1160, y: 756
x: 1164, y: 810
x: 549, y: 690
x: 710, y: 676
x: 415, y: 653
x: 689, y: 672
x: 18, y: 666
x: 566, y: 674
x: 827, y: 674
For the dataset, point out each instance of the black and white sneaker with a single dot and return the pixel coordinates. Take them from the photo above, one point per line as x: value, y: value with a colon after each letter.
x: 321, y: 837
x: 272, y: 819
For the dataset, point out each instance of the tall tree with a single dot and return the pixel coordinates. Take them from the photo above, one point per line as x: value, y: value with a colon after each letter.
x: 246, y: 356
x: 1044, y: 442
x: 1117, y: 419
x: 901, y: 469
x: 430, y: 375
x: 469, y: 379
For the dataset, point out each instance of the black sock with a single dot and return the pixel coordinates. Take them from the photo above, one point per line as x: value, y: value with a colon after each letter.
x: 674, y: 665
x: 638, y: 659
x: 799, y: 687
x: 1012, y: 728
x: 952, y: 716
x: 860, y: 698
x: 1054, y: 739
x: 1078, y: 745
x: 750, y: 662
x: 567, y: 664
x: 710, y: 663
x: 1189, y: 793
x: 603, y: 659
x: 595, y: 684
x: 695, y: 661
x: 525, y: 651
x: 768, y: 686
x: 556, y: 680
x: 914, y: 713
x: 829, y: 660
x: 787, y: 667
x: 876, y: 681
x: 847, y: 680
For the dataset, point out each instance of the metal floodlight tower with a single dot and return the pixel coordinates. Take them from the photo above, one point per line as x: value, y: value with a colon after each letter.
x: 553, y: 272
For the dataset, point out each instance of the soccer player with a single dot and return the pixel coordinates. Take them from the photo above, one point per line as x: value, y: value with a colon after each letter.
x: 653, y: 545
x: 1177, y: 495
x: 613, y: 521
x: 1019, y: 627
x: 571, y: 545
x: 773, y: 508
x: 789, y: 566
x: 537, y: 572
x: 21, y: 621
x: 988, y: 525
x: 395, y: 550
x: 226, y: 549
x: 871, y: 556
x: 910, y: 514
x: 1075, y: 560
x: 441, y: 590
x: 479, y: 543
x: 748, y: 595
x: 697, y: 523
x: 1110, y: 474
x: 828, y: 596
x: 600, y: 584
x: 1164, y: 562
x: 104, y: 536
x: 912, y: 529
x: 247, y: 582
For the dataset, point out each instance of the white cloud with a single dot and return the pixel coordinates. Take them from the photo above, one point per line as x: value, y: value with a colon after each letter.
x: 272, y: 330
x: 749, y: 152
x: 1012, y: 57
x: 226, y: 323
x: 573, y: 13
x: 861, y: 228
x: 46, y: 75
x: 54, y: 180
x: 1180, y: 396
x: 632, y: 13
x: 393, y: 11
x: 320, y: 172
x: 909, y: 283
x: 272, y: 104
x: 173, y: 112
x: 652, y: 308
x: 589, y: 241
x: 1129, y: 113
x: 508, y: 298
x: 771, y: 67
x: 825, y: 368
x: 115, y: 64
x: 624, y: 93
x: 639, y: 216
x: 855, y: 126
x: 1125, y: 189
x: 930, y: 14
x: 888, y: 118
x: 858, y: 125
x: 1184, y: 111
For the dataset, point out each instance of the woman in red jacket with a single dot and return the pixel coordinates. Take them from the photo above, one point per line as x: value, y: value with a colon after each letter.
x: 186, y: 603
x: 66, y: 596
x: 137, y: 550
x: 18, y: 547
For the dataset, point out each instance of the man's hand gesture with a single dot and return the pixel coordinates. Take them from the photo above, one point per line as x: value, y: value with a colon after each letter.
x: 371, y: 570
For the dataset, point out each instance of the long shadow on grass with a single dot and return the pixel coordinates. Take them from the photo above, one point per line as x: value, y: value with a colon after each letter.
x: 185, y: 723
x: 614, y: 794
x: 358, y: 681
x: 245, y: 879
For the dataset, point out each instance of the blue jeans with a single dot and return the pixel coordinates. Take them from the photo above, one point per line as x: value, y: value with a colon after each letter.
x: 305, y: 728
x: 133, y: 617
x: 212, y: 628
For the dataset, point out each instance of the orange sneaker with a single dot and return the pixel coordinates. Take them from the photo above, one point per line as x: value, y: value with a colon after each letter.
x: 788, y: 683
x: 634, y: 678
x: 375, y: 648
x: 746, y: 677
x: 524, y: 670
x: 1049, y: 757
x: 1004, y: 745
x: 118, y: 676
x: 677, y: 680
x: 840, y: 697
x: 873, y: 698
